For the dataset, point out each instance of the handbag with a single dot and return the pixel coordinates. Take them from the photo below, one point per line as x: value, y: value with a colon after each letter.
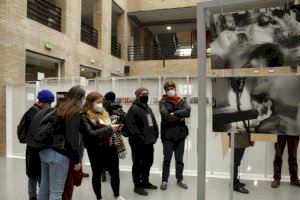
x: 77, y: 177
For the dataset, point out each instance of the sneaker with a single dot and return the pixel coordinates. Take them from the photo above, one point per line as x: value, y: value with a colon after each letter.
x: 275, y: 184
x: 140, y: 191
x: 149, y: 185
x: 296, y: 183
x: 164, y: 185
x: 182, y: 184
x: 119, y: 198
x: 240, y: 189
x: 85, y: 175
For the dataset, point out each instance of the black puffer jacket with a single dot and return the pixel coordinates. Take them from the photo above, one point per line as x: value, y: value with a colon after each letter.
x: 141, y: 124
x: 93, y: 135
x: 173, y: 127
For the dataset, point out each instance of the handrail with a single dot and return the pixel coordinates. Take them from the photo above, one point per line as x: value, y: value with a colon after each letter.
x: 44, y: 13
x: 89, y: 35
x: 115, y: 48
x: 159, y: 52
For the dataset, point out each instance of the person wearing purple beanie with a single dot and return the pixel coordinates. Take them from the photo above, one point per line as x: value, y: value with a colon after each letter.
x: 142, y: 131
x: 33, y: 161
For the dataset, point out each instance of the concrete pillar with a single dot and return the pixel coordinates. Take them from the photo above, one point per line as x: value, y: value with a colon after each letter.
x: 102, y: 22
x: 139, y: 36
x: 71, y: 67
x: 63, y: 5
x: 97, y: 23
x: 139, y: 42
x: 123, y: 34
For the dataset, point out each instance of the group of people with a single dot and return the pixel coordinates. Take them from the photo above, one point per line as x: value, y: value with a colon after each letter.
x: 97, y: 123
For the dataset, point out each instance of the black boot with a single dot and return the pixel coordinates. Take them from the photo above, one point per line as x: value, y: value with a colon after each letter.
x: 238, y: 188
x: 140, y: 191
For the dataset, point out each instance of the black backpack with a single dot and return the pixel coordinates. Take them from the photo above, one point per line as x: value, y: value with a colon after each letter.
x: 21, y: 129
x: 43, y: 127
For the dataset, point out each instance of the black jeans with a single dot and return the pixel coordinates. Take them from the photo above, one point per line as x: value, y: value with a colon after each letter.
x: 142, y: 158
x: 101, y: 157
x: 292, y: 142
x: 238, y: 156
x: 178, y: 148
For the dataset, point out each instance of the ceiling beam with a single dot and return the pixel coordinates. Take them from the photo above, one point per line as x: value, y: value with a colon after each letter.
x: 148, y: 33
x: 169, y: 22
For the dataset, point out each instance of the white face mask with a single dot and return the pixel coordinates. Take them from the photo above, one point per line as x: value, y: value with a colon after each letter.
x: 98, y: 107
x: 171, y: 93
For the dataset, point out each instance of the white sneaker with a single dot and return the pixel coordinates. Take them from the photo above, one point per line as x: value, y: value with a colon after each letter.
x: 119, y: 198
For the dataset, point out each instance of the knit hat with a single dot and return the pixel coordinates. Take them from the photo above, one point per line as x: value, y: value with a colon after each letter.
x: 45, y: 96
x: 140, y: 90
x: 110, y: 96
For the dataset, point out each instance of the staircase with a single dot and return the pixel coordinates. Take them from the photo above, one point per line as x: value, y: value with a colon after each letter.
x: 167, y: 44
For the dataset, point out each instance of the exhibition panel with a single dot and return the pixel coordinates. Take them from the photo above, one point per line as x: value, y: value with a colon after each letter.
x: 252, y: 89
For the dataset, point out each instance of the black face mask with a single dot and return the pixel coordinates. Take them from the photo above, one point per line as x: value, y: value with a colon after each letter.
x: 144, y: 99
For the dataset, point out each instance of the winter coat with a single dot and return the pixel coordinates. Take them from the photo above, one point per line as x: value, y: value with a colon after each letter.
x: 93, y: 135
x: 33, y: 161
x: 173, y: 127
x: 67, y: 140
x: 141, y: 124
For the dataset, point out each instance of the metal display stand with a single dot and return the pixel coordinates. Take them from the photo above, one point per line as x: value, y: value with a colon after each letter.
x: 203, y: 10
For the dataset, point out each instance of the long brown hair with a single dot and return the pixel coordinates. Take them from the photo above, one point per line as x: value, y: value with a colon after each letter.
x: 90, y: 99
x: 71, y: 103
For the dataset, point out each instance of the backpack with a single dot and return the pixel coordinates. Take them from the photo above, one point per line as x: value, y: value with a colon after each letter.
x: 43, y: 127
x: 21, y: 129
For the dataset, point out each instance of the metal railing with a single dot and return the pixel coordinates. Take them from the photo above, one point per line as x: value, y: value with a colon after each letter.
x: 115, y: 48
x: 44, y: 13
x: 157, y: 52
x: 89, y: 35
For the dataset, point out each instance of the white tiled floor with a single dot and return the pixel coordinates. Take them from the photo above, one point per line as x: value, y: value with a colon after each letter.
x: 13, y: 186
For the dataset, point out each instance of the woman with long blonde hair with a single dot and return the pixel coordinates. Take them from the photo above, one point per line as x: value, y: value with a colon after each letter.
x: 104, y: 145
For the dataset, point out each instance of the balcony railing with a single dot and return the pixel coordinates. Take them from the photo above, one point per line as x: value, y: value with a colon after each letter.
x: 115, y: 48
x: 89, y: 35
x: 157, y: 52
x: 45, y: 13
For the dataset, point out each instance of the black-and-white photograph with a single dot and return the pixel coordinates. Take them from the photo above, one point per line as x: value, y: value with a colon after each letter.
x: 268, y: 105
x: 267, y: 37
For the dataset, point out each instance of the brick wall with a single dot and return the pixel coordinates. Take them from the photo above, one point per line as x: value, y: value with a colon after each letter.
x: 18, y: 34
x: 144, y: 5
x: 178, y: 67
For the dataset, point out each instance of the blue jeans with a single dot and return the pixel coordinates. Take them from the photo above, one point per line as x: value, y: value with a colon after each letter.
x: 55, y: 168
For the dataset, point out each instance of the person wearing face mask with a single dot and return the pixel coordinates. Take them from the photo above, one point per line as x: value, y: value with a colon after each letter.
x: 33, y: 161
x: 103, y: 151
x: 174, y: 131
x: 143, y: 133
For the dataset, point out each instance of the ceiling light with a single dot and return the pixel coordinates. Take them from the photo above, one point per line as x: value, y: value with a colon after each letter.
x: 169, y: 28
x: 82, y: 70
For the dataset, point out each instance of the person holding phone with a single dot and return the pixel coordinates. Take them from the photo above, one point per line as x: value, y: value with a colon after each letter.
x: 104, y: 145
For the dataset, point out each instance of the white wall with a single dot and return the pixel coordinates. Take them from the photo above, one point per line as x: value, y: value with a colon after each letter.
x: 257, y: 162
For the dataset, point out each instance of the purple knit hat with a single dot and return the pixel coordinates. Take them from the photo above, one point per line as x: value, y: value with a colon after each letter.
x: 46, y: 96
x: 140, y: 90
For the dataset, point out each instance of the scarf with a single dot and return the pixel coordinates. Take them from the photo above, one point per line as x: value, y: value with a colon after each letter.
x: 174, y: 99
x: 115, y: 139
